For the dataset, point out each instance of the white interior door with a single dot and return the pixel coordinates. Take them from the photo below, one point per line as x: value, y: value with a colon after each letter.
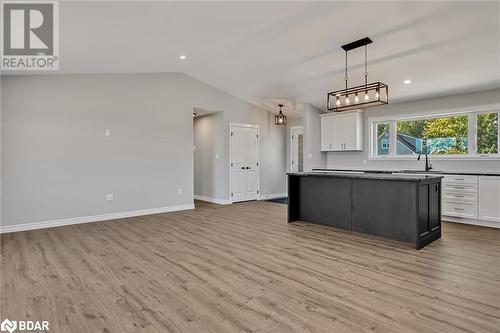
x: 297, y: 145
x: 244, y: 163
x: 252, y: 163
x: 238, y: 166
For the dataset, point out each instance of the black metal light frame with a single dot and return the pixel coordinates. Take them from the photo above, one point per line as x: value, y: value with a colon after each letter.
x: 280, y: 119
x: 377, y: 92
x: 370, y: 89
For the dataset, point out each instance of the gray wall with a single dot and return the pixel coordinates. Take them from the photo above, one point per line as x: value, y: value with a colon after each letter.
x: 313, y: 157
x: 427, y: 106
x: 57, y: 162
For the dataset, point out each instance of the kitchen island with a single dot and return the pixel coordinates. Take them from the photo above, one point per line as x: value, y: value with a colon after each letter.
x: 401, y: 207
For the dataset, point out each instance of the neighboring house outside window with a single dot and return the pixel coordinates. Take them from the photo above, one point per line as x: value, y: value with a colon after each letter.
x: 405, y: 144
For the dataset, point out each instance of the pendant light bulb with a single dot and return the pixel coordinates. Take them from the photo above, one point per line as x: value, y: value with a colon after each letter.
x: 377, y: 94
x: 347, y: 101
x: 338, y: 101
x: 367, y: 97
x: 356, y: 98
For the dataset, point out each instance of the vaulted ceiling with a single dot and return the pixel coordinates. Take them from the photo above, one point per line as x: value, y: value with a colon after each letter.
x: 263, y: 51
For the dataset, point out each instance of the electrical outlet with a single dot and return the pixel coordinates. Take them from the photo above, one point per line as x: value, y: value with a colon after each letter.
x: 109, y: 196
x: 107, y: 132
x: 217, y: 156
x: 310, y: 155
x: 179, y: 190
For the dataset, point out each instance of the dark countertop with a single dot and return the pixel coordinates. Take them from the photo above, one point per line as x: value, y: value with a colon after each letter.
x: 361, y: 175
x: 440, y: 172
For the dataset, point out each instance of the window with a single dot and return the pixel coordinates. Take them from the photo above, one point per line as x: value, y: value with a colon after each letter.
x: 434, y: 136
x: 383, y: 139
x: 487, y: 133
x: 463, y: 134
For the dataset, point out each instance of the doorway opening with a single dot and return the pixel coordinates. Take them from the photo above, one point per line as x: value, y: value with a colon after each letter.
x: 297, y: 147
x: 208, y: 157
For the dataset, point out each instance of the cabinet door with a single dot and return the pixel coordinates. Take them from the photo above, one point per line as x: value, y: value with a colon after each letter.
x: 423, y: 210
x: 326, y: 133
x: 339, y: 131
x: 434, y: 206
x: 350, y: 131
x: 489, y: 198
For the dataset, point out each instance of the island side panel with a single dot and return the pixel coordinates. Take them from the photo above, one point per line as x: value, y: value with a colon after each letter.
x: 325, y: 200
x: 293, y: 198
x: 385, y: 208
x: 429, y: 219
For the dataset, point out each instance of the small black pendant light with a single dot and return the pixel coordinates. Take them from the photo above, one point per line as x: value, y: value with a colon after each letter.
x: 280, y: 119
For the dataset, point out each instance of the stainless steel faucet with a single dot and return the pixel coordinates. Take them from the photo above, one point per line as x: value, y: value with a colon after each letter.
x: 428, y: 166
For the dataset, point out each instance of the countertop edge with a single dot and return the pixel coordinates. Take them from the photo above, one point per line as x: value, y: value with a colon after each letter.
x: 374, y: 176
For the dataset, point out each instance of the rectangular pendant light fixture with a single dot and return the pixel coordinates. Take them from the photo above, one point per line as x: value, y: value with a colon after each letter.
x: 367, y: 95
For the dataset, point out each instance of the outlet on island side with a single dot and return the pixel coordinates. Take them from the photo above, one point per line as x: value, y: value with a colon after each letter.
x: 179, y: 191
x: 109, y: 196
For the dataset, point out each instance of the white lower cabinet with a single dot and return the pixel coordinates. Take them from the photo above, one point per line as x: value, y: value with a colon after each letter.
x: 471, y: 199
x: 459, y: 196
x: 460, y: 209
x: 489, y: 198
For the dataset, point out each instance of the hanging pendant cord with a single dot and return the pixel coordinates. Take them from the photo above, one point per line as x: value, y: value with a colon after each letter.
x: 366, y: 67
x: 346, y: 72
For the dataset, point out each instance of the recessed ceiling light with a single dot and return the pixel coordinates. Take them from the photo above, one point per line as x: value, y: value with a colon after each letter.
x: 182, y: 57
x: 407, y: 81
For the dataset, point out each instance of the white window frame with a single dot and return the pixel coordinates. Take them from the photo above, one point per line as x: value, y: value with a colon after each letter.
x: 472, y: 114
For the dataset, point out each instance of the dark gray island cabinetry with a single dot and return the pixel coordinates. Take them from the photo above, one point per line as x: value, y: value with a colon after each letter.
x: 401, y: 207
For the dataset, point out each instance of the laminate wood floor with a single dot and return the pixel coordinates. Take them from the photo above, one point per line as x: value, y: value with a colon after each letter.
x: 242, y: 268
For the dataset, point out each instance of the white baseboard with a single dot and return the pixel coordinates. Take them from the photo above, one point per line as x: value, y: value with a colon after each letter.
x: 212, y: 200
x: 272, y: 196
x: 491, y: 224
x: 93, y: 218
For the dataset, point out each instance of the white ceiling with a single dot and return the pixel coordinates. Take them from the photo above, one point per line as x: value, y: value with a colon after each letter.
x: 264, y: 51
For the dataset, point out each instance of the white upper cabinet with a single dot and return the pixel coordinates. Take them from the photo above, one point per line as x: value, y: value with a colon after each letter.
x: 326, y: 133
x: 489, y: 198
x: 342, y: 131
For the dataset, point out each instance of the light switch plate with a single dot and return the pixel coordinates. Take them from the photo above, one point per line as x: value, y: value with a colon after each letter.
x: 107, y: 132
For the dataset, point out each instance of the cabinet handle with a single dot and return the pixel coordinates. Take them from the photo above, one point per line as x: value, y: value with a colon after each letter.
x: 458, y: 196
x: 459, y: 179
x: 458, y: 208
x: 459, y: 187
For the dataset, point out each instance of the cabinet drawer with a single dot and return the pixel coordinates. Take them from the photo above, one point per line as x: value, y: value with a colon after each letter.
x: 460, y: 188
x: 459, y: 179
x: 460, y: 196
x: 460, y: 209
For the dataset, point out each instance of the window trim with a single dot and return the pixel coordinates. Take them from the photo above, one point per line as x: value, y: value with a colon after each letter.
x: 471, y: 112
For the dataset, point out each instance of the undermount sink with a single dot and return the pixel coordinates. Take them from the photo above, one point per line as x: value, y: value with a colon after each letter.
x: 421, y: 171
